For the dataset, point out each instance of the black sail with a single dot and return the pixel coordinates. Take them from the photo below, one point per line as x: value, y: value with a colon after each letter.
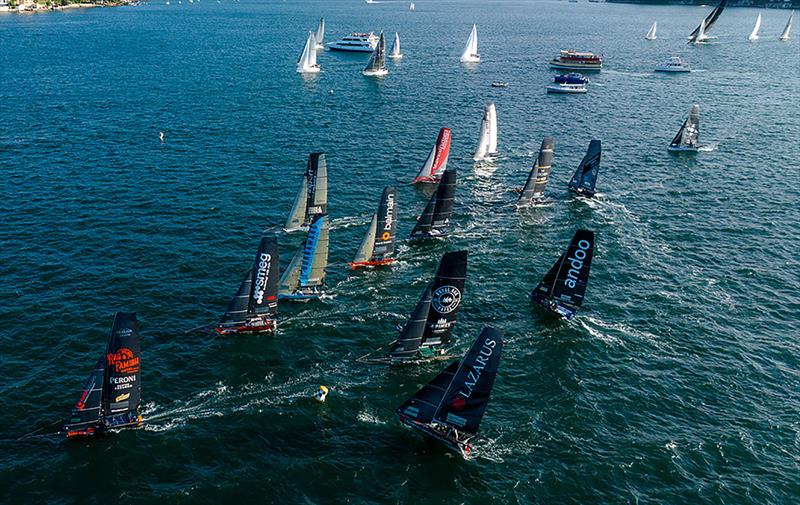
x: 87, y: 414
x: 435, y: 219
x: 387, y: 225
x: 709, y: 20
x: 567, y: 279
x: 236, y: 313
x: 408, y: 343
x: 537, y: 179
x: 585, y: 177
x: 263, y: 297
x: 122, y: 391
x: 423, y: 405
x: 317, y: 188
x: 447, y: 292
x: 468, y: 394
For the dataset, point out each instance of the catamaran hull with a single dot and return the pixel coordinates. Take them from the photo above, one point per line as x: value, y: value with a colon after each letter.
x: 464, y: 449
x: 359, y: 264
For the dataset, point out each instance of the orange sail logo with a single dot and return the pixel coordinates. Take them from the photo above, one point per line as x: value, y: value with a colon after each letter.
x: 123, y: 361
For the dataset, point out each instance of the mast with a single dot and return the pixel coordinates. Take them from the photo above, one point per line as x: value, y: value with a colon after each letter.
x: 396, y: 47
x: 436, y: 163
x: 539, y: 174
x: 464, y: 402
x: 122, y: 390
x: 756, y: 28
x: 447, y: 291
x: 320, y: 34
x: 651, y: 34
x: 567, y: 279
x: 410, y: 339
x: 585, y: 177
x: 785, y: 35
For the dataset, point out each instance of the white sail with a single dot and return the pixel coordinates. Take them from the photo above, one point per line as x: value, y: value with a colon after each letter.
x: 320, y: 34
x: 491, y: 111
x: 754, y: 35
x: 307, y: 63
x: 651, y: 35
x: 785, y: 35
x: 701, y: 33
x: 470, y: 54
x: 412, y: 6
x: 368, y: 244
x: 482, y: 150
x: 396, y: 47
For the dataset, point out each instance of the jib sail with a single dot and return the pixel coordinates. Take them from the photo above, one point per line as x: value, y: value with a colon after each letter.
x: 585, y: 177
x: 447, y: 292
x: 537, y: 179
x: 408, y: 343
x: 436, y: 163
x: 435, y: 219
x: 312, y: 198
x: 567, y: 279
x: 464, y: 403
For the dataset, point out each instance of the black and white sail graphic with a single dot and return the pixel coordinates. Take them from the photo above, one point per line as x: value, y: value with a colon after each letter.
x: 258, y: 292
x: 585, y: 177
x: 312, y: 198
x: 708, y: 22
x: 688, y: 136
x: 112, y: 393
x: 539, y: 174
x: 447, y: 293
x: 565, y: 283
x: 435, y: 219
x: 377, y: 62
x: 378, y: 244
x: 458, y: 396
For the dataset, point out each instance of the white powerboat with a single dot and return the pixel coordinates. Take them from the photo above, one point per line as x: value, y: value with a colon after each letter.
x: 568, y: 84
x: 355, y: 42
x: 674, y: 64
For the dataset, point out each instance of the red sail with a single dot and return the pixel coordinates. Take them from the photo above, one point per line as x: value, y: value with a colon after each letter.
x: 437, y: 161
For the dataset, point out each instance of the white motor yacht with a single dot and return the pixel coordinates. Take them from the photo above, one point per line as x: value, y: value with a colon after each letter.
x: 355, y: 42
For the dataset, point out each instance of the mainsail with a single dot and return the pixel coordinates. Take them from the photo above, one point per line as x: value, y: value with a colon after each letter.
x: 395, y: 53
x: 436, y: 162
x: 307, y: 62
x: 563, y: 287
x: 540, y: 172
x: 450, y: 408
x: 306, y: 273
x: 699, y: 33
x: 255, y: 304
x: 585, y: 177
x: 785, y: 34
x: 688, y: 136
x: 320, y: 34
x: 312, y: 198
x: 487, y: 144
x: 435, y: 219
x: 470, y: 53
x: 651, y: 34
x: 377, y: 248
x: 112, y: 393
x: 756, y: 28
x: 377, y: 62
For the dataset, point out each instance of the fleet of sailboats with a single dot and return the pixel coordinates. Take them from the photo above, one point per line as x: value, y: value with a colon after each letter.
x: 487, y: 143
x: 754, y: 34
x: 470, y: 53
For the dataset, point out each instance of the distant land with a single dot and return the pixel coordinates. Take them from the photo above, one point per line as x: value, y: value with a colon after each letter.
x: 793, y: 4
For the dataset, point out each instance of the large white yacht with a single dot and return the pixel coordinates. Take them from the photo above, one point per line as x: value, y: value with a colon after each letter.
x: 355, y: 42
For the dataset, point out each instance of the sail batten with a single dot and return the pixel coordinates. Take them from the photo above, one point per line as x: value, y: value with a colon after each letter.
x: 585, y: 178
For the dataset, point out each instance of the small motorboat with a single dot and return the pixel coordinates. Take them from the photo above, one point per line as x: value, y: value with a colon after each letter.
x: 674, y: 64
x: 499, y: 84
x: 568, y: 83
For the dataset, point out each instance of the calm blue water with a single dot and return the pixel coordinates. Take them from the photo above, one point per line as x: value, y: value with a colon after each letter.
x: 678, y: 382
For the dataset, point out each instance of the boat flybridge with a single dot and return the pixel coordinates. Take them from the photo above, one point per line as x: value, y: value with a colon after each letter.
x: 355, y: 42
x: 674, y: 64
